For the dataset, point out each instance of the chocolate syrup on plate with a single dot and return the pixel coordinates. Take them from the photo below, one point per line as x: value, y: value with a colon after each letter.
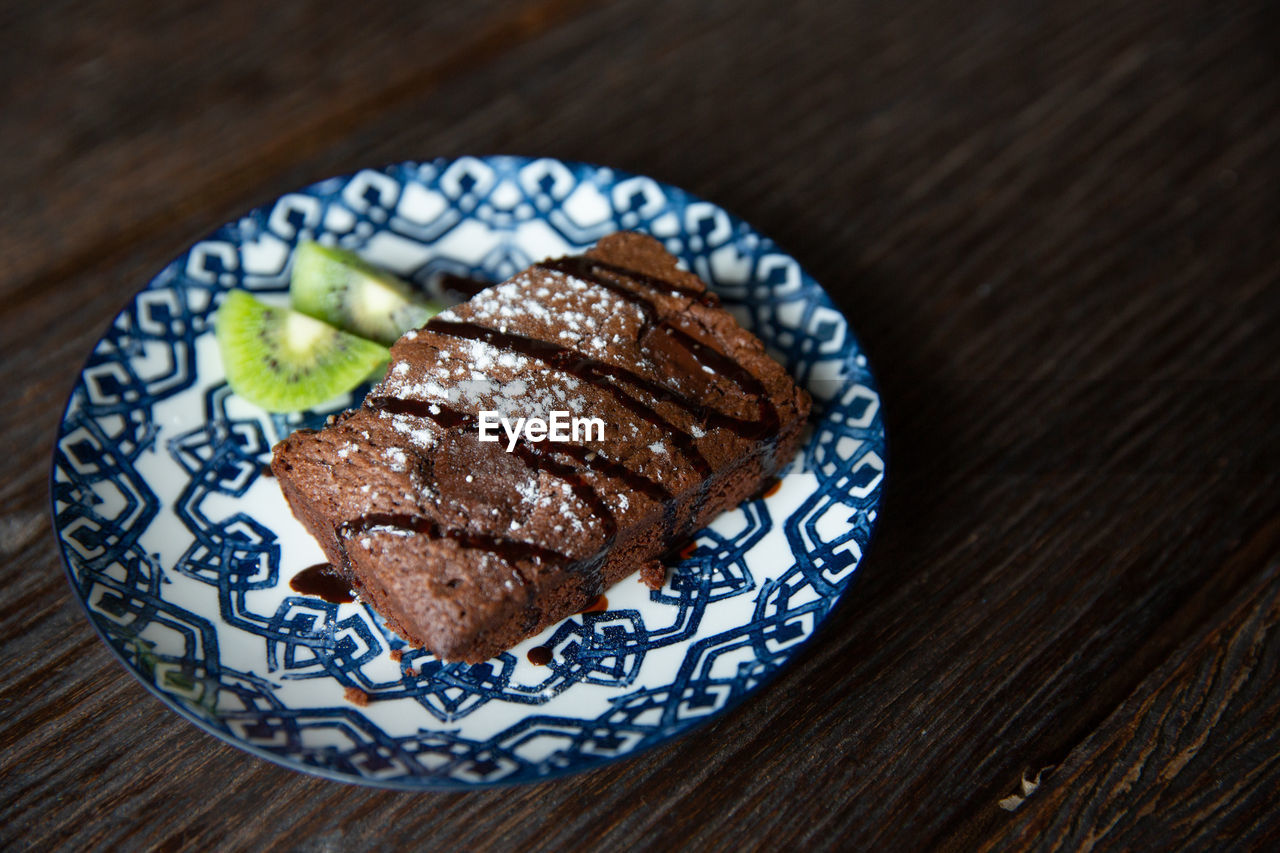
x: 601, y: 603
x: 323, y: 581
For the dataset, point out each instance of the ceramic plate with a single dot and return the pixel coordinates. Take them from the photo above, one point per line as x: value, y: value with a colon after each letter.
x: 181, y: 550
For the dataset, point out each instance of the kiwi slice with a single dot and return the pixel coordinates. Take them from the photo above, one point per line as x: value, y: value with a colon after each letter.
x: 284, y: 360
x: 338, y: 287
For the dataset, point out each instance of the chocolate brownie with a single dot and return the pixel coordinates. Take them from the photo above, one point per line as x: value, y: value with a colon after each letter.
x: 466, y: 547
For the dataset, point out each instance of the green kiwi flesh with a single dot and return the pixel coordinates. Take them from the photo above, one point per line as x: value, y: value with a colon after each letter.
x: 336, y: 286
x: 285, y: 361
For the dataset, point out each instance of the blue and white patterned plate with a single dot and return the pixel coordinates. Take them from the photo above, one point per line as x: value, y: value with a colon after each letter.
x: 181, y: 551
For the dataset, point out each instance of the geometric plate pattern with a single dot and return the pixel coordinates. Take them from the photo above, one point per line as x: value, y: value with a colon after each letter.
x: 181, y: 550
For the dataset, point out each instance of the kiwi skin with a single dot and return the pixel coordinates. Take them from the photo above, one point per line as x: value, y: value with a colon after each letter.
x: 283, y: 360
x: 343, y: 290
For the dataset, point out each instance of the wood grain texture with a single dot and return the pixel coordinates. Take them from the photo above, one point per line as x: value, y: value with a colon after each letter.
x: 1053, y: 227
x: 1193, y: 754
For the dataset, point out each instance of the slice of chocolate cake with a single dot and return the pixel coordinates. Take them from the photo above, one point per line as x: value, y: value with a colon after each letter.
x: 467, y: 546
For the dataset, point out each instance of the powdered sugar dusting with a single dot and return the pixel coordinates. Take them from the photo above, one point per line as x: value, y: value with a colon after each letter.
x: 527, y: 489
x: 420, y: 431
x: 395, y: 456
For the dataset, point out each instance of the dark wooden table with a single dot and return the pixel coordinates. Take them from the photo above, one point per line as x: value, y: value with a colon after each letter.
x: 1054, y: 228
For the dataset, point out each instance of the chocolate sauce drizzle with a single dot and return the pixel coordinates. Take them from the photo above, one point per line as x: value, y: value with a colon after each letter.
x: 536, y: 457
x: 448, y: 417
x: 591, y: 370
x: 582, y: 267
x: 603, y: 375
x: 510, y: 549
x: 589, y: 268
